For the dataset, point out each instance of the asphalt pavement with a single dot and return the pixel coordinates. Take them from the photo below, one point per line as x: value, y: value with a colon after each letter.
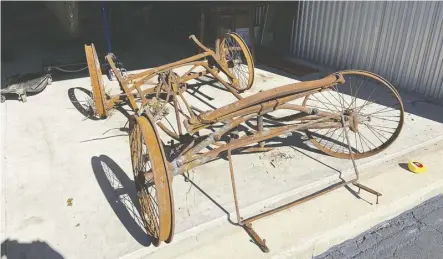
x: 414, y: 234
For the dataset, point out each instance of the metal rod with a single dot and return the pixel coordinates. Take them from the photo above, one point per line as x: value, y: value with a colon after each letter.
x: 234, y: 189
x: 349, y: 147
x: 213, y: 137
x: 297, y: 202
x: 206, y: 119
x: 145, y: 75
x: 122, y: 82
x: 217, y: 47
x: 247, y: 140
x: 261, y: 243
x: 188, y: 161
x: 290, y: 91
x: 232, y: 90
x: 177, y: 115
x: 260, y: 129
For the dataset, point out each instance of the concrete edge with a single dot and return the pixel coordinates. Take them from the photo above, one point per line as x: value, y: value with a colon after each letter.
x: 359, y: 225
x: 3, y: 112
x: 294, y: 194
x: 399, y: 153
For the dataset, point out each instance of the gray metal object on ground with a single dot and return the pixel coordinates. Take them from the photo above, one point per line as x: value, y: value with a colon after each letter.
x: 21, y: 84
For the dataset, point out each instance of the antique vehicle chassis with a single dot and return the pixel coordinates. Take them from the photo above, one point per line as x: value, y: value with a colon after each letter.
x: 230, y: 56
x: 344, y: 101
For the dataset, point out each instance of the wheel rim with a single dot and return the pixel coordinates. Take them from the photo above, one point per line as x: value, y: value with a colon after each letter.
x: 154, y: 193
x: 95, y: 74
x: 374, y: 106
x: 236, y: 54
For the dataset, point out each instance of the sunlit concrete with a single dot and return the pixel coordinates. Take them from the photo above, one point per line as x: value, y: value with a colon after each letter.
x: 53, y: 153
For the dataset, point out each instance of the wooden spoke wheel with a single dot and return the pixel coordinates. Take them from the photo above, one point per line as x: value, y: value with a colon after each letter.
x: 371, y: 106
x: 95, y: 74
x: 235, y: 53
x: 152, y: 180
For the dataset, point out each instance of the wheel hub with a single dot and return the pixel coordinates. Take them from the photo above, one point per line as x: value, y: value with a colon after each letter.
x: 353, y: 122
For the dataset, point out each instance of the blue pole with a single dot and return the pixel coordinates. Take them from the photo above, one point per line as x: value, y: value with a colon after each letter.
x: 105, y: 23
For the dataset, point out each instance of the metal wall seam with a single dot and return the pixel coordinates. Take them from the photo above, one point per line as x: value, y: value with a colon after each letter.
x: 386, y: 31
x: 360, y: 53
x: 336, y: 34
x: 437, y: 82
x: 327, y: 40
x: 397, y: 42
x: 305, y: 36
x: 351, y: 8
x: 318, y: 40
x: 401, y: 41
x: 416, y: 42
x: 424, y: 50
x: 430, y: 70
x: 405, y: 44
x: 352, y: 36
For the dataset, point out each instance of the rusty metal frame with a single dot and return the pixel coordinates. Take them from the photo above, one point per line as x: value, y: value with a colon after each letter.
x: 192, y: 158
x: 132, y: 85
x: 256, y: 107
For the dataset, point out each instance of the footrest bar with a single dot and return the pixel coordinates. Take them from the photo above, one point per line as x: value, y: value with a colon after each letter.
x: 261, y: 243
x: 361, y: 186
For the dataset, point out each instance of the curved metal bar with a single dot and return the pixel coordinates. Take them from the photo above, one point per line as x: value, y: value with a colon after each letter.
x: 188, y: 161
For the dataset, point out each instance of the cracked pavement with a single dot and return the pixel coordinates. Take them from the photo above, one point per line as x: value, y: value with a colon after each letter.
x: 416, y: 233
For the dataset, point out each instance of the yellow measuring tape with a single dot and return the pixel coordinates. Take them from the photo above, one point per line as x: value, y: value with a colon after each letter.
x: 416, y: 167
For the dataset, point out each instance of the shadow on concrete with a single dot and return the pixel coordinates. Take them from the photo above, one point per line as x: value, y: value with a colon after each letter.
x: 295, y: 140
x: 404, y: 166
x: 357, y: 195
x: 83, y: 106
x: 15, y: 97
x: 120, y: 193
x: 187, y: 179
x: 12, y: 249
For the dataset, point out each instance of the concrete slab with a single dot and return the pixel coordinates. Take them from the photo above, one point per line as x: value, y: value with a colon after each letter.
x: 313, y: 227
x: 53, y: 153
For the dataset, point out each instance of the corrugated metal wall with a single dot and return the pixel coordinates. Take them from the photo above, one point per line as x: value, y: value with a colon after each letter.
x: 401, y: 41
